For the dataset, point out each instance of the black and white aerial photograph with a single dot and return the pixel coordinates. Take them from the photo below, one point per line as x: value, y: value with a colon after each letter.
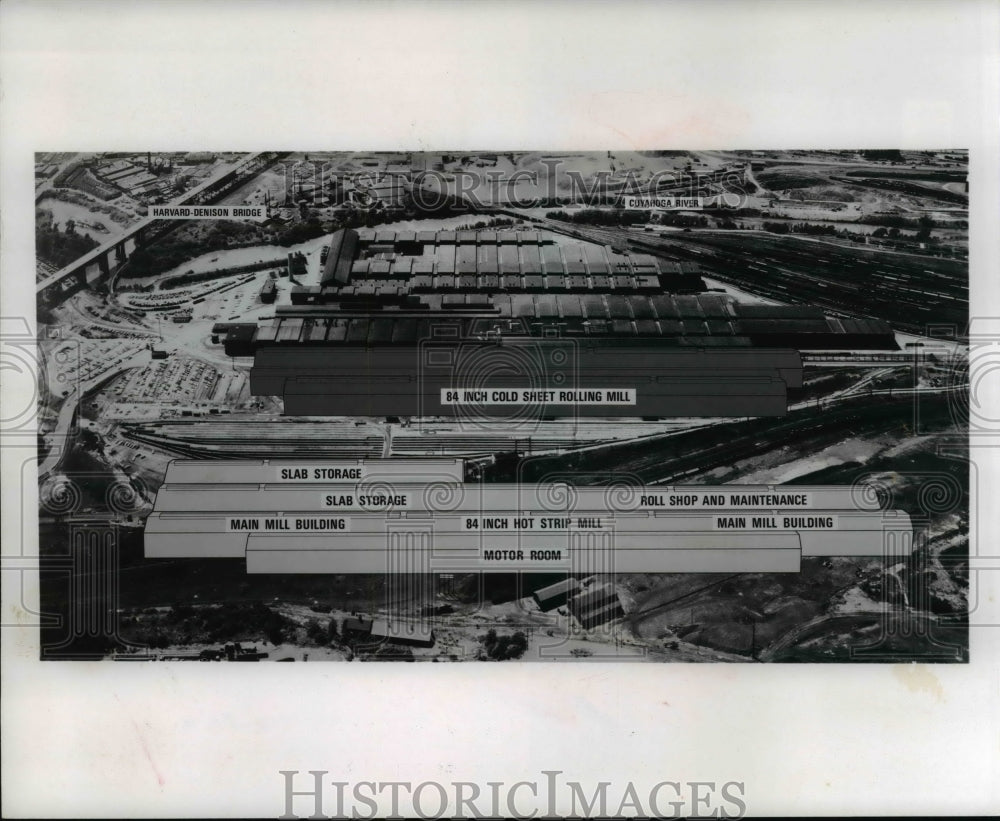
x: 610, y: 390
x: 695, y: 406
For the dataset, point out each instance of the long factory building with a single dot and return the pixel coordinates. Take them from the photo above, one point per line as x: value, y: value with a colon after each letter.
x: 374, y: 516
x: 495, y: 306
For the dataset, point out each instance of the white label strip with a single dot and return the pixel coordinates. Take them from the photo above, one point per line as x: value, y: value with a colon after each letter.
x: 534, y: 524
x: 768, y: 521
x: 288, y: 524
x: 256, y: 213
x: 538, y: 396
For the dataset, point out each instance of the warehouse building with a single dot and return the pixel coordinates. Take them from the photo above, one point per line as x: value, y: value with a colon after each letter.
x: 356, y: 628
x: 601, y: 615
x: 340, y: 257
x: 385, y: 296
x: 709, y: 319
x: 366, y: 263
x: 572, y: 288
x: 406, y: 633
x: 556, y: 595
x: 596, y: 605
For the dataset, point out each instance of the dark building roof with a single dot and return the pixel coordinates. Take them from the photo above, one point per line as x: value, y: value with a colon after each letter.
x: 353, y: 625
x: 343, y: 248
x: 592, y: 599
x: 499, y: 280
x: 701, y: 320
x: 556, y: 594
x: 420, y: 635
x: 600, y: 615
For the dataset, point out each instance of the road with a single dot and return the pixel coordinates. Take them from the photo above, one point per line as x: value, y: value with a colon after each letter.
x: 85, y: 319
x: 761, y: 190
x: 47, y: 185
x: 130, y: 232
x: 60, y: 438
x: 62, y: 434
x: 914, y: 623
x: 850, y: 390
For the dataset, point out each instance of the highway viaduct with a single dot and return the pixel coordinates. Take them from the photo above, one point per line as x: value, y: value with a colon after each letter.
x: 104, y: 261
